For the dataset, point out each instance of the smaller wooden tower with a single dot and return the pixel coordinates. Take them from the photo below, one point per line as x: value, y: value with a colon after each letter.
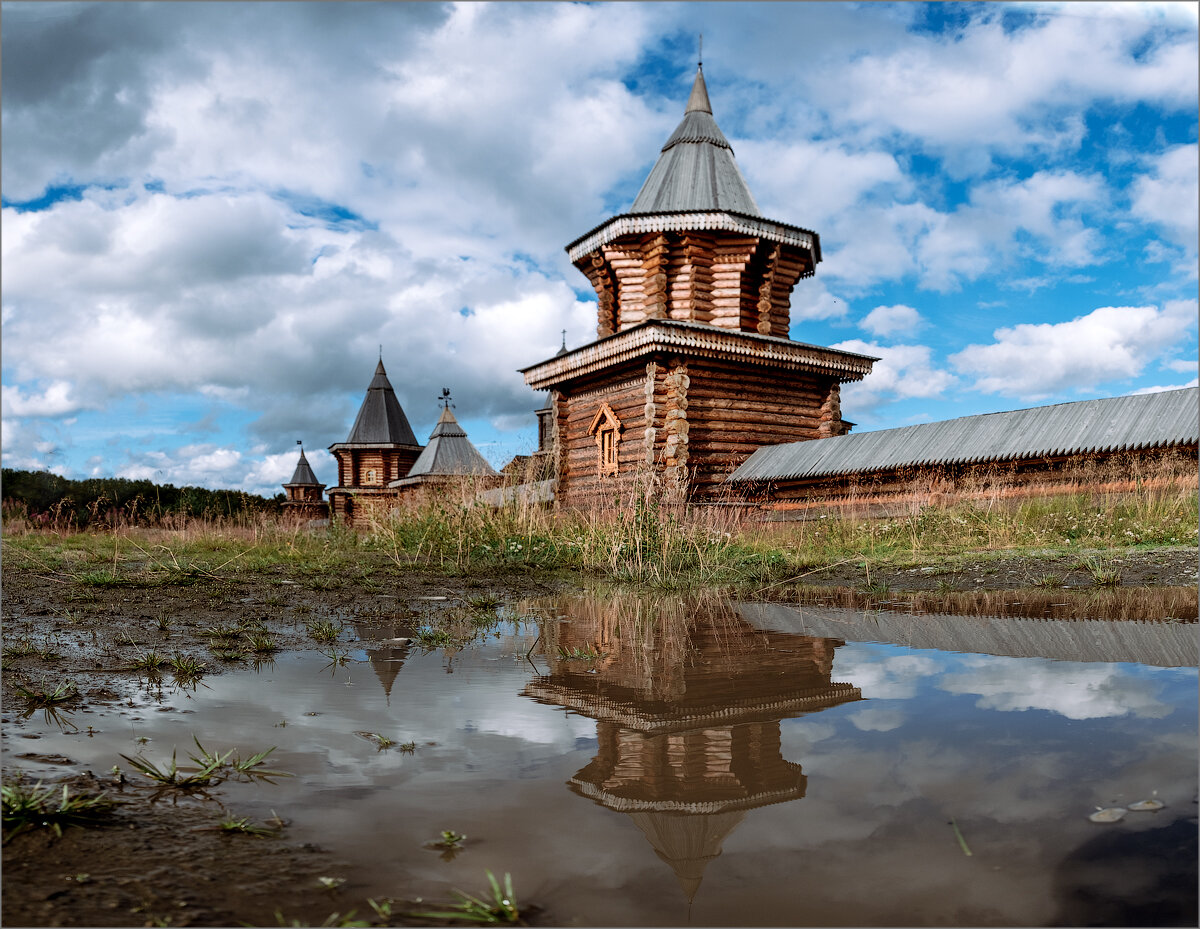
x: 305, y: 494
x: 449, y: 456
x: 380, y: 449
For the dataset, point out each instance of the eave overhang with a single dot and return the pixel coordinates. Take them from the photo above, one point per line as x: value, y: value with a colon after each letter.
x: 391, y: 446
x: 693, y: 221
x: 698, y: 340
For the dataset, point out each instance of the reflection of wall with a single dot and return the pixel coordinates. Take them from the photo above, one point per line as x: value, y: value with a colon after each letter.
x: 688, y: 699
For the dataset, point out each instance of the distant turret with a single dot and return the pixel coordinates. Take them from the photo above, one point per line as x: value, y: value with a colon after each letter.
x: 305, y: 494
x: 381, y: 447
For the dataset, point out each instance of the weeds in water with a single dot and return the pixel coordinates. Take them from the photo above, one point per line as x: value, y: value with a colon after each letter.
x: 381, y: 741
x: 324, y: 630
x: 186, y: 667
x: 1047, y: 581
x: 586, y: 653
x: 262, y: 644
x: 229, y: 654
x: 251, y: 768
x: 26, y: 808
x: 150, y: 662
x: 429, y: 638
x: 163, y: 622
x: 407, y: 747
x: 38, y: 698
x: 173, y: 776
x: 500, y: 909
x: 449, y: 839
x: 484, y: 602
x: 22, y: 648
x: 243, y: 826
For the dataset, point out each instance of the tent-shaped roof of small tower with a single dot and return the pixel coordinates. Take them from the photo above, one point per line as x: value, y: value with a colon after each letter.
x: 303, y: 473
x: 380, y: 419
x: 696, y: 169
x: 449, y: 451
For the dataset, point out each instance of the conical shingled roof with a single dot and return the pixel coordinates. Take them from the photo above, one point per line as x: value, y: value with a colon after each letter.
x: 303, y: 474
x: 380, y: 420
x: 696, y: 170
x: 449, y: 451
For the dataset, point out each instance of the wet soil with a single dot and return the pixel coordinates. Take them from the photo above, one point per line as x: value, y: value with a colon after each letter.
x: 158, y: 861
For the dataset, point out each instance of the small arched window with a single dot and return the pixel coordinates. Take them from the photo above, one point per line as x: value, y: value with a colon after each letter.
x: 607, y: 430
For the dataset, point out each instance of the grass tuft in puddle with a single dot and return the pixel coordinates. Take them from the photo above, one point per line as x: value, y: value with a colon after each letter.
x: 26, y: 808
x: 210, y: 768
x: 499, y: 909
x: 42, y: 696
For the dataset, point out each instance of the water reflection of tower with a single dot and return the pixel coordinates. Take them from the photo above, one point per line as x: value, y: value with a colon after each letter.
x: 387, y: 659
x: 688, y: 701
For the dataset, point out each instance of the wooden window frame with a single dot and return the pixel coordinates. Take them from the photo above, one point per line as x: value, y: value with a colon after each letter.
x: 607, y: 428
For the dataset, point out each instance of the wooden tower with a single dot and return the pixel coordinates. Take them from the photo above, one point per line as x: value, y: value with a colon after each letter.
x: 305, y: 494
x: 693, y: 367
x: 381, y: 448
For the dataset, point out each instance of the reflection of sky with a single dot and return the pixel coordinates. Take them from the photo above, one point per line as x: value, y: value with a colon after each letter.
x: 934, y: 738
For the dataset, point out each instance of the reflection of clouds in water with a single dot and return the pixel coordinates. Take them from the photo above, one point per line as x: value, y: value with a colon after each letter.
x: 878, y: 719
x: 797, y: 736
x: 1071, y: 689
x: 882, y: 678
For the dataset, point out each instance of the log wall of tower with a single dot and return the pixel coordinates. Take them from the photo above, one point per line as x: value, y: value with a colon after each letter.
x: 727, y: 280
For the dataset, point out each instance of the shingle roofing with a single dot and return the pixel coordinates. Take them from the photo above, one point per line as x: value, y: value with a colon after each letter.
x: 449, y: 452
x: 1164, y: 419
x: 303, y: 473
x: 696, y: 169
x: 380, y: 420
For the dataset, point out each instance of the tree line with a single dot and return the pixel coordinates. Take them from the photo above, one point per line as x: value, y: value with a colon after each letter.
x: 46, y: 497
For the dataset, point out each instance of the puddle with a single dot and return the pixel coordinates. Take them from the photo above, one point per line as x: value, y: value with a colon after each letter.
x: 636, y: 762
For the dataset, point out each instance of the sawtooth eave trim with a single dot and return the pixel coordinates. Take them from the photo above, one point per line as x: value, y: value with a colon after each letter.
x: 693, y: 221
x: 696, y: 340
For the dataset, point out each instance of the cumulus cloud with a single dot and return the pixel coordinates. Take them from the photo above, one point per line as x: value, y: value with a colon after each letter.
x: 1037, y: 360
x: 1073, y: 690
x: 902, y: 372
x: 1168, y: 195
x: 885, y: 321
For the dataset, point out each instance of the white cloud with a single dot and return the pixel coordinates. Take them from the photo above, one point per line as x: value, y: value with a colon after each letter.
x: 1034, y: 361
x: 1160, y: 388
x: 1070, y: 689
x: 1169, y: 196
x: 902, y: 372
x: 885, y: 321
x: 55, y: 400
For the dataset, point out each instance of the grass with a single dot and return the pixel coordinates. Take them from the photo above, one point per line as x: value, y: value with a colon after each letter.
x: 26, y: 808
x: 210, y: 768
x: 498, y: 909
x: 324, y: 631
x: 36, y: 697
x: 635, y: 539
x: 243, y: 826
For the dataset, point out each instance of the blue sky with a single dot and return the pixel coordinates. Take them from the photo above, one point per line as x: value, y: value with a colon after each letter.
x: 215, y: 214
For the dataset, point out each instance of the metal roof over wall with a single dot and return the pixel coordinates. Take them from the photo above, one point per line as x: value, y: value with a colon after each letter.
x: 1163, y: 645
x: 1140, y: 421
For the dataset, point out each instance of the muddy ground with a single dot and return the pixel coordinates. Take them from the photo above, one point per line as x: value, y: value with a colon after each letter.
x: 158, y: 860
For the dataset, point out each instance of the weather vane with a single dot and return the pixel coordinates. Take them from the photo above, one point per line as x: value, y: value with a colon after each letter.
x: 700, y: 53
x: 445, y: 398
x: 564, y: 332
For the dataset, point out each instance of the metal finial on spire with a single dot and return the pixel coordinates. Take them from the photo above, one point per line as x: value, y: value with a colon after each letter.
x: 445, y: 398
x: 381, y: 351
x: 700, y: 53
x: 564, y: 332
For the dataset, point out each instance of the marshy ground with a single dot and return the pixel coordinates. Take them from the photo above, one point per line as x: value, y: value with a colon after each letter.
x: 93, y: 623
